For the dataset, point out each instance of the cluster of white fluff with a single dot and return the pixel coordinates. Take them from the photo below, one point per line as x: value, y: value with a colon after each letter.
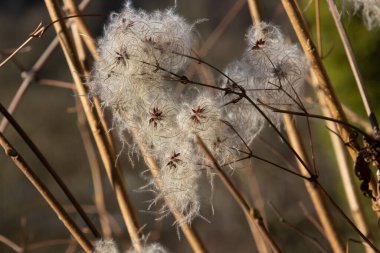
x: 370, y: 10
x: 109, y: 246
x: 130, y: 78
x: 140, y: 55
x: 152, y: 248
x: 105, y: 246
x: 271, y: 71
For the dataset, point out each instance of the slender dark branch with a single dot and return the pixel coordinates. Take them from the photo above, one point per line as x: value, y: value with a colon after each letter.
x: 207, y: 64
x: 310, y: 238
x: 279, y: 134
x: 316, y: 116
x: 50, y: 169
x: 346, y: 217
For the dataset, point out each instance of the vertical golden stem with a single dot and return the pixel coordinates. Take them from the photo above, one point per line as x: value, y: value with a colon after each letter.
x: 316, y: 196
x: 113, y: 172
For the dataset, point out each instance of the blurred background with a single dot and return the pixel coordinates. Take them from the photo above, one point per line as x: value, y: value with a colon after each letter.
x: 47, y: 114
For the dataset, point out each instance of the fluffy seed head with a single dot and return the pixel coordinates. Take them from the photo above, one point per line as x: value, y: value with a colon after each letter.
x: 153, y: 248
x: 105, y: 246
x: 370, y: 10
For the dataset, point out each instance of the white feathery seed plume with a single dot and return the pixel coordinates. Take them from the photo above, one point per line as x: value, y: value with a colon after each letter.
x: 370, y: 11
x: 105, y: 246
x: 152, y: 248
x: 271, y: 71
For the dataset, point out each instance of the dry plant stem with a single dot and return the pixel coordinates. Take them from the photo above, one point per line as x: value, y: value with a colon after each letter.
x: 354, y: 67
x: 316, y: 197
x: 91, y: 45
x: 11, y: 244
x: 82, y: 26
x: 213, y: 38
x: 257, y: 198
x: 357, y: 119
x: 46, y: 194
x: 318, y: 27
x: 252, y: 214
x: 56, y: 83
x: 310, y: 238
x: 31, y: 36
x: 311, y: 53
x: 51, y: 171
x: 255, y: 11
x: 95, y: 172
x: 31, y: 74
x: 113, y: 173
x: 344, y: 169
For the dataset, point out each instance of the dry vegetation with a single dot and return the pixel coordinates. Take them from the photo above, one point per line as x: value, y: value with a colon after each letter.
x: 201, y: 153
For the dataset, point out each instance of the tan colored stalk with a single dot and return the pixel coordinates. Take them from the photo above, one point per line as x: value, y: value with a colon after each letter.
x: 318, y: 27
x: 316, y: 196
x: 345, y: 167
x: 213, y: 38
x: 354, y: 66
x: 253, y: 216
x: 46, y: 194
x: 91, y: 45
x: 257, y: 198
x: 95, y: 172
x: 255, y: 11
x: 113, y: 172
x: 318, y: 69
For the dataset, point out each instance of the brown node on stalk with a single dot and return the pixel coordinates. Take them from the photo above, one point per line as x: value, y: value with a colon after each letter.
x: 198, y: 114
x: 155, y: 116
x: 174, y: 160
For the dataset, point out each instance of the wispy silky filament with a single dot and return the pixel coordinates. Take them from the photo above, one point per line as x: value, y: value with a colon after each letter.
x: 141, y: 53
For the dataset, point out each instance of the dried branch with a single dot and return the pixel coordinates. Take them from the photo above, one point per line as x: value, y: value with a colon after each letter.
x: 253, y: 215
x: 50, y: 169
x: 354, y: 67
x: 114, y: 173
x: 46, y: 194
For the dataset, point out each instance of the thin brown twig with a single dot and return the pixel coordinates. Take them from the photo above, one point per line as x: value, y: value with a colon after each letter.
x: 95, y: 172
x: 30, y: 75
x: 50, y: 169
x: 312, y: 220
x: 113, y: 172
x: 253, y: 215
x: 318, y: 27
x: 227, y: 19
x: 38, y: 31
x: 56, y: 83
x: 46, y: 194
x: 11, y: 244
x: 354, y: 67
x: 299, y: 231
